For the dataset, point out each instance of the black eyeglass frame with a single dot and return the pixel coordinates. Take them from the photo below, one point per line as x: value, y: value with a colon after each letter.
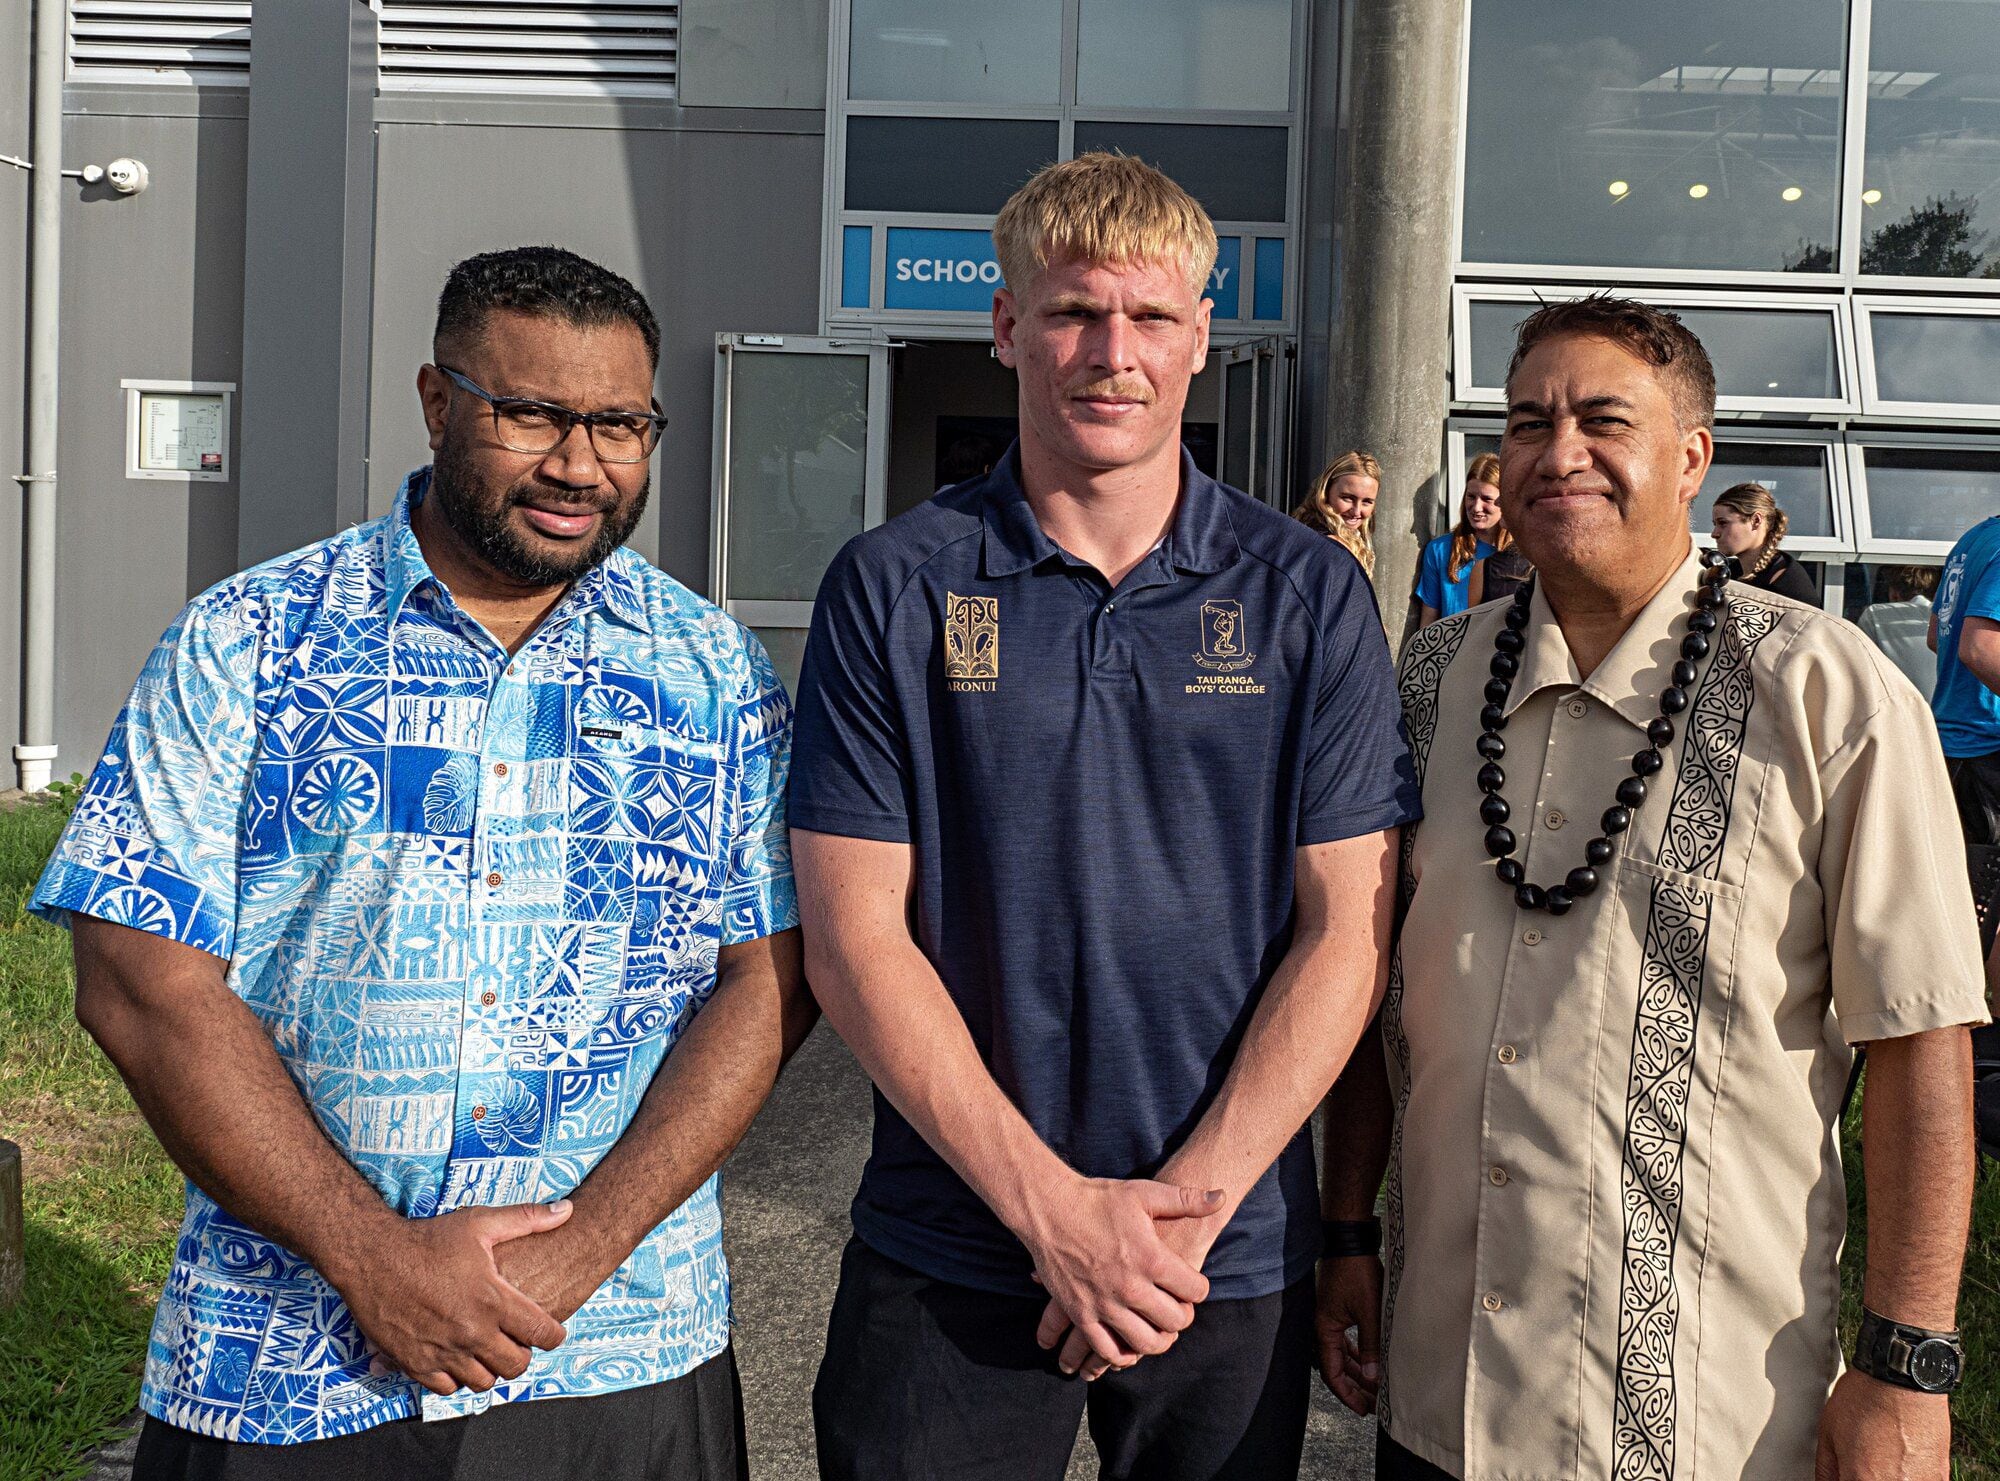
x: 563, y: 417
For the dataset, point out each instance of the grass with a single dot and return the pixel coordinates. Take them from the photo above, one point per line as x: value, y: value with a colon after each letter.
x: 103, y: 1203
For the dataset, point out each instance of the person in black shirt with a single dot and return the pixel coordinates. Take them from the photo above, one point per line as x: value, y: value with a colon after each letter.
x: 1750, y: 526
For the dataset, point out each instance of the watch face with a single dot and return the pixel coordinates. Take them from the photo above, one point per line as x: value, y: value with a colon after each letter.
x: 1934, y: 1364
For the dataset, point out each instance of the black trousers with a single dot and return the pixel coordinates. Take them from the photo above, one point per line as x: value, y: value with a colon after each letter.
x: 1975, y: 786
x: 686, y: 1429
x: 1394, y: 1463
x: 927, y: 1381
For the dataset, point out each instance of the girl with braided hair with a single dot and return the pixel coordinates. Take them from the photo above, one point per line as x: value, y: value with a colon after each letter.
x: 1341, y: 505
x: 1750, y: 526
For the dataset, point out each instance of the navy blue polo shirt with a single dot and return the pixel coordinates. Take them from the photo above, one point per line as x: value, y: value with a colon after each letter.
x: 1104, y: 790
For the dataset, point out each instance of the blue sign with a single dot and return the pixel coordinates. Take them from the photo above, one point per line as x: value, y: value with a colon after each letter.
x: 956, y: 271
x: 932, y: 268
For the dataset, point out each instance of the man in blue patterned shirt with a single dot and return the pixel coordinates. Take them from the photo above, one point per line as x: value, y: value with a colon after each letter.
x: 433, y: 897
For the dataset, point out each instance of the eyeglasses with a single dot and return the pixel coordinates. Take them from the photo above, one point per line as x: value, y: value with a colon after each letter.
x: 526, y: 426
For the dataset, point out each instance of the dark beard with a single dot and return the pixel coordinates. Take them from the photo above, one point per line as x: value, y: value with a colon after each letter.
x: 478, y: 517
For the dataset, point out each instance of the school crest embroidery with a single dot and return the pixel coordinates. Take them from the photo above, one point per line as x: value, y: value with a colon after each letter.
x: 971, y: 643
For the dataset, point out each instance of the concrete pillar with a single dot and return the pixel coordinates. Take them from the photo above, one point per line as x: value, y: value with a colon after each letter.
x: 13, y: 1228
x: 1389, y: 358
x: 308, y: 275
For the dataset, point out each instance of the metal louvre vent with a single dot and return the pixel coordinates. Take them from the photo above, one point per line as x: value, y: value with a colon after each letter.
x: 177, y: 42
x: 629, y: 48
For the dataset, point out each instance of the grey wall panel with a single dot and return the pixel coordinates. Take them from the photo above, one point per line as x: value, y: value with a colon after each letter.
x: 753, y: 53
x: 14, y: 29
x: 719, y: 230
x: 151, y: 288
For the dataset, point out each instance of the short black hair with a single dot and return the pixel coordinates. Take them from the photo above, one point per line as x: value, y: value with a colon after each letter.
x: 538, y: 280
x: 1654, y: 335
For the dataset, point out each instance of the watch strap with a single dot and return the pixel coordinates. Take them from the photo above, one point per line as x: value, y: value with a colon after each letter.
x: 1340, y: 1238
x: 1882, y: 1350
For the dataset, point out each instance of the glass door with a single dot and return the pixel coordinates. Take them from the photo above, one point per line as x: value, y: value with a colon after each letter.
x: 1256, y: 419
x: 801, y: 463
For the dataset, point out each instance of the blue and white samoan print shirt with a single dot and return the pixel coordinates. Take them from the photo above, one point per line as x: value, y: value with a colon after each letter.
x: 474, y: 900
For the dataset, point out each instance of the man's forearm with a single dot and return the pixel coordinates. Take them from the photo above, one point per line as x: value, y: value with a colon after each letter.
x: 887, y: 1001
x: 1314, y: 1010
x: 1354, y: 1134
x: 703, y: 1098
x: 1917, y: 1156
x: 229, y: 1116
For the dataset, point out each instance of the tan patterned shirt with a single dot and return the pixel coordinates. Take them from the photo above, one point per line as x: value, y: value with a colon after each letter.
x: 1615, y: 1195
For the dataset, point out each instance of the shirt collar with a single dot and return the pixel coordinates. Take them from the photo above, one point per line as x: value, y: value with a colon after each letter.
x: 1632, y: 674
x: 608, y: 585
x: 1203, y: 537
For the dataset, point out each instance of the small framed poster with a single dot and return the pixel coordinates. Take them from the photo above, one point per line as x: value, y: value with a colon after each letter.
x: 178, y: 430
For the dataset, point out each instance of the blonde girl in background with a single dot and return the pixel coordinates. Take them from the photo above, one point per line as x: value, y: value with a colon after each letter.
x: 1341, y: 505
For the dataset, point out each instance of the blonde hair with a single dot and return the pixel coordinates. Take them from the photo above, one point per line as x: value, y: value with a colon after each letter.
x: 1485, y: 468
x: 1316, y: 509
x: 1750, y: 500
x: 1100, y: 207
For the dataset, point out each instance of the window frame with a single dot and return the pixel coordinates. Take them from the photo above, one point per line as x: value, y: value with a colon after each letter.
x: 1830, y: 305
x: 1231, y: 324
x: 1884, y: 550
x: 1873, y: 402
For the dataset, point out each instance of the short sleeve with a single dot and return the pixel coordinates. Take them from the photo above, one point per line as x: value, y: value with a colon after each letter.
x: 758, y: 898
x: 153, y: 842
x: 1902, y: 943
x: 1983, y: 600
x: 1430, y: 576
x: 850, y: 767
x: 1359, y: 778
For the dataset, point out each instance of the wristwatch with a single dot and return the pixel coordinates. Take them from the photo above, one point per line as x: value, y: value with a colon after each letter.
x: 1909, y: 1357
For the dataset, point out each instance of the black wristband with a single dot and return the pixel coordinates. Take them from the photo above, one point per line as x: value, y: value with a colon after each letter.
x: 1344, y: 1237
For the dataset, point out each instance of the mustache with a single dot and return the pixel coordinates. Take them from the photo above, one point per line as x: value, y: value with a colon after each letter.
x: 1123, y: 390
x: 557, y: 497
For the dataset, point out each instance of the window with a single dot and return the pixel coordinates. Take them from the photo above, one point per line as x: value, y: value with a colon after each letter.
x: 956, y: 51
x: 1185, y: 54
x: 629, y: 49
x: 1932, y: 357
x: 950, y: 166
x: 1801, y: 477
x: 1930, y: 188
x: 1919, y: 496
x: 160, y: 41
x: 1238, y: 174
x: 1700, y: 135
x: 1770, y: 354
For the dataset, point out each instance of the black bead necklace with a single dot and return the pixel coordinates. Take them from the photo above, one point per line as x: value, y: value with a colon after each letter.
x: 1711, y: 606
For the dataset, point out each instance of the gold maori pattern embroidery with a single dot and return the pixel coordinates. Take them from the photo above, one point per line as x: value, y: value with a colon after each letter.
x: 1430, y: 654
x: 1671, y: 973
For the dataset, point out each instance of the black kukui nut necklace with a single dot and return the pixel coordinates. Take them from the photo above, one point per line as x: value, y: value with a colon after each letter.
x: 1711, y: 606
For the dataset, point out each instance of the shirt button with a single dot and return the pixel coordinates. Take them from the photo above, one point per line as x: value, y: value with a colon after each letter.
x: 1578, y: 709
x: 479, y: 1113
x: 489, y: 998
x: 499, y: 768
x: 1508, y: 1054
x: 1491, y: 1301
x: 1531, y: 937
x: 493, y: 880
x: 1497, y: 1176
x: 1111, y: 606
x: 1556, y: 820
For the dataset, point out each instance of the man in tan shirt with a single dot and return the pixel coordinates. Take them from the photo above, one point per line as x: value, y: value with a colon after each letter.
x: 1685, y: 845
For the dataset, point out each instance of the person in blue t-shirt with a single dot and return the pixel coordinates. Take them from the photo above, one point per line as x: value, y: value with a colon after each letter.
x: 1100, y: 777
x: 1965, y: 635
x: 1444, y: 576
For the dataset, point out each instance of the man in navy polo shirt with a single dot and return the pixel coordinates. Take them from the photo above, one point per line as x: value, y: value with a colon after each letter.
x: 1097, y: 781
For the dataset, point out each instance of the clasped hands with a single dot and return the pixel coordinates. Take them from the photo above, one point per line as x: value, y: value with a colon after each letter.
x: 461, y: 1300
x: 1121, y: 1261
